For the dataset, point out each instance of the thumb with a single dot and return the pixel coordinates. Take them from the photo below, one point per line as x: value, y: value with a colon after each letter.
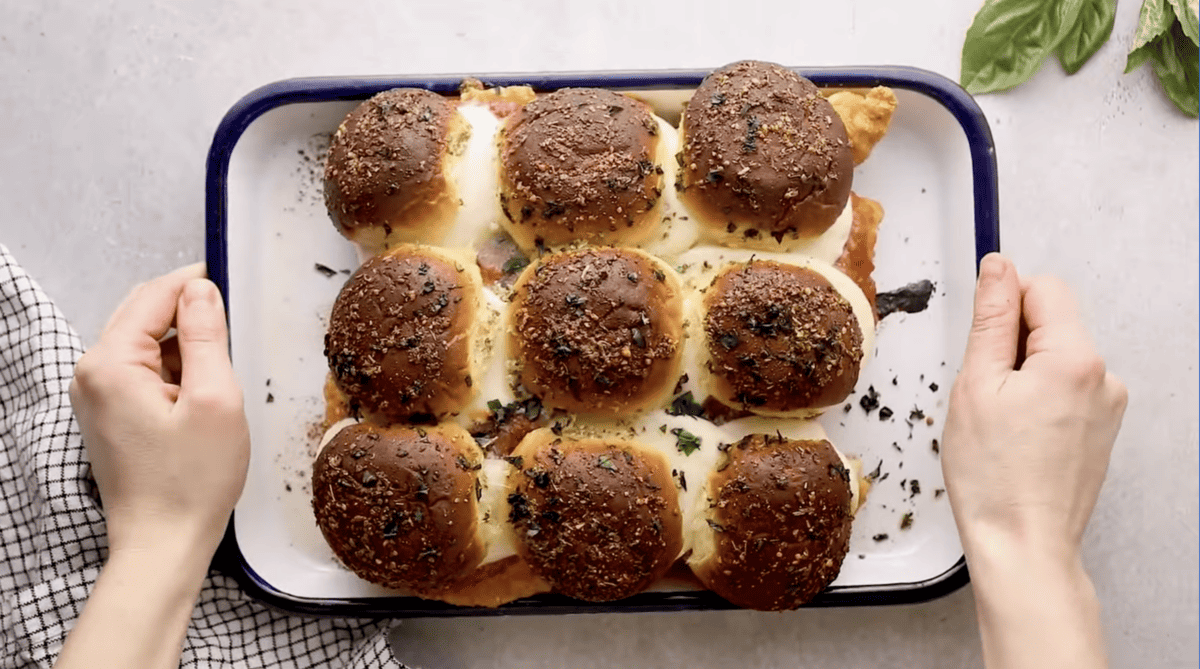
x: 203, y: 341
x: 992, y: 344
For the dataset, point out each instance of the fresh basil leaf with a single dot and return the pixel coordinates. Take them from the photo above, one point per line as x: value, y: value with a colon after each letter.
x: 1155, y: 19
x: 1186, y: 13
x: 1178, y: 68
x: 1091, y: 31
x: 1009, y: 40
x: 1140, y: 55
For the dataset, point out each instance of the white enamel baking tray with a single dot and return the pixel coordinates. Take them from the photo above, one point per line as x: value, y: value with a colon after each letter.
x: 280, y: 263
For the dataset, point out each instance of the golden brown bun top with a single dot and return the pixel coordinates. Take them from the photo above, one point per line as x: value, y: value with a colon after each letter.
x: 385, y: 160
x: 781, y: 514
x: 761, y: 144
x: 598, y: 519
x: 398, y: 342
x: 579, y: 163
x: 781, y: 337
x: 598, y: 330
x: 398, y: 505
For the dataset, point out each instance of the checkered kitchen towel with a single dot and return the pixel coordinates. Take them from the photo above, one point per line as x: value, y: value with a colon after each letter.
x: 52, y: 539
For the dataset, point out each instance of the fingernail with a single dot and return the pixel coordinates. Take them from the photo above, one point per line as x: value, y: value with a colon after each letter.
x: 992, y: 268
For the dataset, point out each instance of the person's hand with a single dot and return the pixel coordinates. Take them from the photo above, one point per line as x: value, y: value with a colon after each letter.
x: 1027, y: 440
x: 1032, y: 420
x: 162, y: 420
x: 165, y: 432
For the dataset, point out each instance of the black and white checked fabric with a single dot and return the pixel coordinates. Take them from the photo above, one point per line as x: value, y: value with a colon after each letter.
x: 52, y: 539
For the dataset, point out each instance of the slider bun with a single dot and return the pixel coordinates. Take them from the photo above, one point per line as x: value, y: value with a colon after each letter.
x: 599, y: 519
x: 493, y: 584
x: 766, y: 161
x: 598, y: 330
x: 386, y: 176
x: 777, y: 525
x: 398, y: 505
x: 581, y: 164
x: 402, y: 340
x: 780, y: 339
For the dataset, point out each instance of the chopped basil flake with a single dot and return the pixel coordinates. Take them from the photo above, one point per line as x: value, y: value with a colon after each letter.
x: 685, y: 441
x: 685, y: 405
x: 515, y: 264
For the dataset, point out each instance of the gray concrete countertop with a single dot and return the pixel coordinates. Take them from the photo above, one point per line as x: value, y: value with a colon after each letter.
x: 107, y: 110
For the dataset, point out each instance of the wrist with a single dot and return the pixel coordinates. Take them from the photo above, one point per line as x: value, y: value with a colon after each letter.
x: 174, y: 547
x: 1035, y: 603
x: 138, y: 612
x: 1000, y: 543
x: 1000, y: 562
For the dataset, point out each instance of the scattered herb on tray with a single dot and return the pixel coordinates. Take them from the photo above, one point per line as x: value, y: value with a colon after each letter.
x: 870, y: 401
x: 911, y: 299
x: 874, y: 475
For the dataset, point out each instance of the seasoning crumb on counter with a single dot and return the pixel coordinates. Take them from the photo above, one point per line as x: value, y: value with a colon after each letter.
x: 270, y: 398
x: 882, y: 536
x: 326, y: 270
x: 906, y: 521
x: 885, y: 413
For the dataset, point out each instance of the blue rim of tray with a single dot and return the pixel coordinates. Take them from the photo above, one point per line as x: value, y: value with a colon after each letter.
x: 325, y: 89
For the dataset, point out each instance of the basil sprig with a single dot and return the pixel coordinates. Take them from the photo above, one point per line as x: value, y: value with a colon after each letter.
x: 1010, y: 39
x: 1167, y: 37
